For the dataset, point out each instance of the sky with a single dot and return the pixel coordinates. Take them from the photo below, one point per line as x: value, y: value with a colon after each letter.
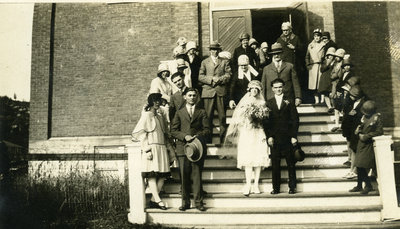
x: 15, y: 50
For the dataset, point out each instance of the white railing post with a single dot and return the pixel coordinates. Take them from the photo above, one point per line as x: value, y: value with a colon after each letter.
x: 137, y: 197
x: 384, y: 157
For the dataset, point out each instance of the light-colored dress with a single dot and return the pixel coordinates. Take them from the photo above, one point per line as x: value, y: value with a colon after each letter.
x: 252, y: 148
x: 315, y: 53
x: 151, y: 132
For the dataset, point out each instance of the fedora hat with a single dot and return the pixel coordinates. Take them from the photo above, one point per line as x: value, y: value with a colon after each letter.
x: 368, y: 108
x: 276, y: 48
x: 215, y: 45
x: 299, y: 154
x: 194, y: 150
x: 244, y: 36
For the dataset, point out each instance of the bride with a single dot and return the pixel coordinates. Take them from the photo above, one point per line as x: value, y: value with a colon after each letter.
x: 246, y: 130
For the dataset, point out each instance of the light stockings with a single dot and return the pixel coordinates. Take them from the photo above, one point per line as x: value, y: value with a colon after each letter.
x: 249, y: 173
x: 155, y: 186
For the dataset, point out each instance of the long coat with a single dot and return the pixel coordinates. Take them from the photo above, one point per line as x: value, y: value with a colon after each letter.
x: 238, y: 87
x: 370, y: 127
x: 288, y: 74
x: 183, y: 125
x: 314, y: 57
x: 289, y: 55
x: 351, y: 119
x: 325, y: 83
x: 208, y: 70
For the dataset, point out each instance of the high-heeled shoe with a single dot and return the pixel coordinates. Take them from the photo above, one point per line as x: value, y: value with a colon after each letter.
x: 161, y: 205
x: 246, y: 190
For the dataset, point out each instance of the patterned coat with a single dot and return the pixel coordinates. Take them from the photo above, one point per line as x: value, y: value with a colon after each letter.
x: 208, y: 70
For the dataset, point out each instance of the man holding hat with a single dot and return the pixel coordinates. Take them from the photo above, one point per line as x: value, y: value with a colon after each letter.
x: 215, y: 74
x: 190, y: 127
x: 245, y: 49
x: 290, y: 43
x: 283, y: 70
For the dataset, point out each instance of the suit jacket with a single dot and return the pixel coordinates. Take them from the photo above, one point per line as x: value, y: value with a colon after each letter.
x: 183, y: 125
x: 177, y: 102
x: 289, y: 55
x: 238, y: 87
x: 288, y: 74
x: 195, y: 68
x: 208, y: 70
x: 282, y: 124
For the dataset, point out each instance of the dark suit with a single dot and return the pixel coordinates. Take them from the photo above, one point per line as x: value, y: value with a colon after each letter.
x: 238, y: 87
x: 195, y: 68
x: 183, y: 125
x: 288, y: 74
x: 282, y: 125
x: 176, y: 103
x: 213, y: 94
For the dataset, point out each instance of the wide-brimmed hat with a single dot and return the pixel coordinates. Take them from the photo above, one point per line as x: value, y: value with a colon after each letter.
x: 244, y: 36
x: 340, y: 53
x: 191, y: 45
x: 276, y: 48
x: 255, y: 84
x: 368, y: 108
x: 264, y: 45
x: 181, y: 63
x: 356, y: 91
x: 299, y: 154
x: 162, y: 67
x: 194, y: 150
x: 252, y: 41
x: 331, y: 51
x: 215, y: 45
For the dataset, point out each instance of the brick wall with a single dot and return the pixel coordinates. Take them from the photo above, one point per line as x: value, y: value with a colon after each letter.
x: 362, y: 30
x: 394, y: 45
x: 104, y: 59
x: 40, y: 72
x: 205, y: 28
x: 320, y: 15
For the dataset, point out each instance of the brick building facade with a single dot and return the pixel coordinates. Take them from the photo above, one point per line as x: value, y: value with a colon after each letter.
x: 92, y: 63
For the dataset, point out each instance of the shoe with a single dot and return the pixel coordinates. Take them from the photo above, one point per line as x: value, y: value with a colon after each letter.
x: 356, y: 189
x: 334, y: 129
x: 161, y: 205
x: 350, y: 175
x: 347, y: 163
x: 255, y: 189
x: 366, y: 190
x: 201, y: 208
x: 274, y: 192
x: 184, y: 207
x: 292, y: 191
x: 153, y: 204
x: 246, y: 190
x: 331, y: 110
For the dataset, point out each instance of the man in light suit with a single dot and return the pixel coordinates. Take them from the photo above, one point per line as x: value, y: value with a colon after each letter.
x: 281, y: 131
x: 189, y: 123
x: 215, y: 74
x: 283, y: 70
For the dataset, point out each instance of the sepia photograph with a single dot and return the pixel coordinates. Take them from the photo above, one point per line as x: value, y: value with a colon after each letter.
x: 199, y: 114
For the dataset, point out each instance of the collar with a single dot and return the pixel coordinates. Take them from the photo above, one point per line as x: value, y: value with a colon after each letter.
x: 214, y: 59
x: 279, y: 97
x: 188, y: 106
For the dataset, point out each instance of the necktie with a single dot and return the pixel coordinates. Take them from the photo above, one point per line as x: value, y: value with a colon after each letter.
x: 191, y: 112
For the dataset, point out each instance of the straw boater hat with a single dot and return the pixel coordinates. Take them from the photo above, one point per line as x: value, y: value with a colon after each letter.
x: 276, y: 48
x: 194, y: 150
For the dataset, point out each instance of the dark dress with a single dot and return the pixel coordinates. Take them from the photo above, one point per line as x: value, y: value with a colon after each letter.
x: 351, y: 119
x: 325, y: 83
x: 370, y: 127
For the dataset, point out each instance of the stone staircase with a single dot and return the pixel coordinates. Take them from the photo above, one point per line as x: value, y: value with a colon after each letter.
x: 322, y: 197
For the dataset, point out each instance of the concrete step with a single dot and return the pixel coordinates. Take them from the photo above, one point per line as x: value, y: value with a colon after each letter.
x: 325, y: 171
x: 318, y: 117
x: 302, y: 109
x: 335, y: 184
x: 267, y: 215
x: 310, y: 159
x: 305, y: 199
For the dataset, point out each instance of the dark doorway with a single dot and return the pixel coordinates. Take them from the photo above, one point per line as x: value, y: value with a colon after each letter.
x: 267, y: 23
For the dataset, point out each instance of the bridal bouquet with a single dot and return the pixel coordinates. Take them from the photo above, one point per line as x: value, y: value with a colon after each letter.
x: 256, y: 113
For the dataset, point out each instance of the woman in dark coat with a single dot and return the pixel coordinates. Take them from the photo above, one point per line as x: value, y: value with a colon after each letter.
x: 325, y: 84
x: 371, y: 126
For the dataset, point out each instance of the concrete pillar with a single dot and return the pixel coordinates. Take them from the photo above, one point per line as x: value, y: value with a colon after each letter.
x: 384, y: 157
x: 137, y: 197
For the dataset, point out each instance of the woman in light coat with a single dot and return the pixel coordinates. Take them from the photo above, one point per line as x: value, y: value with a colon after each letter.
x: 314, y: 58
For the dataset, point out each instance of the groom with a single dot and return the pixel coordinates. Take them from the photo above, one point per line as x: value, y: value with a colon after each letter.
x: 281, y: 131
